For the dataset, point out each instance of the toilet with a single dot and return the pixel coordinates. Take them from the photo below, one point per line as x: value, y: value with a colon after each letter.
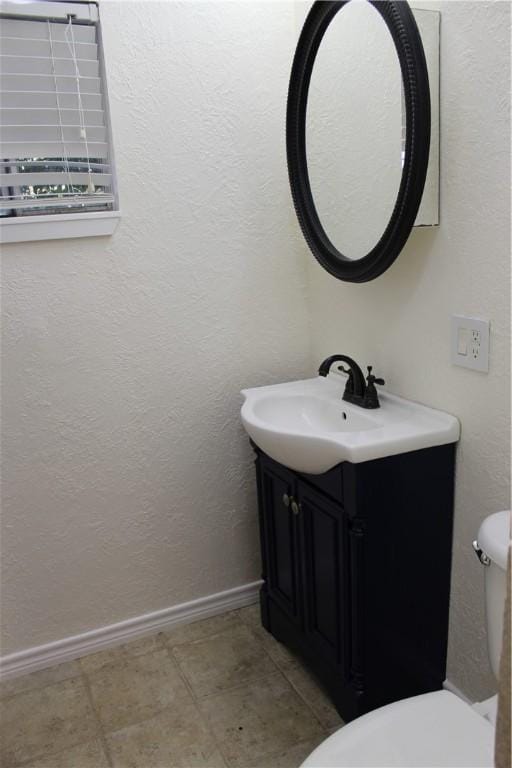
x: 440, y: 728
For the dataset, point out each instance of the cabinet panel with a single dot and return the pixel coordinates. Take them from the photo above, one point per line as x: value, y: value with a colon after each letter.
x: 325, y: 563
x: 283, y: 582
x: 350, y: 582
x: 329, y: 484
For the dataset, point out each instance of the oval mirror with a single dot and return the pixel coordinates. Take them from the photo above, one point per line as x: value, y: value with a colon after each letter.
x: 358, y: 133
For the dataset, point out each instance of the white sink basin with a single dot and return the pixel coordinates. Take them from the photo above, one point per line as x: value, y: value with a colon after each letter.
x: 306, y: 426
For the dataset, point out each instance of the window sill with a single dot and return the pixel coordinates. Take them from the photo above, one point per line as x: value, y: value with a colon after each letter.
x: 62, y: 225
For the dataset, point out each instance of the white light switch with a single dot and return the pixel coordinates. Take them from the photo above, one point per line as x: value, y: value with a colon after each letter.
x: 470, y: 342
x: 462, y: 341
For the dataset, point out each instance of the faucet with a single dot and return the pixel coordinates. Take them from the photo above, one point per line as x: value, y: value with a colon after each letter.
x: 357, y: 391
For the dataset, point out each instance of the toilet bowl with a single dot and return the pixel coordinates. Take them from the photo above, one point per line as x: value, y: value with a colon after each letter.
x: 435, y: 729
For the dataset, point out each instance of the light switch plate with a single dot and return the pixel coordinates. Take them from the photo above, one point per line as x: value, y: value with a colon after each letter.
x: 470, y: 342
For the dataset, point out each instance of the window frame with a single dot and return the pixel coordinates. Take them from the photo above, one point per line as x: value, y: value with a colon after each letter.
x: 56, y: 226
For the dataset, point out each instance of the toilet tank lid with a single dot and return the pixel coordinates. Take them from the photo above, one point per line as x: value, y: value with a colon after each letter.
x: 494, y: 537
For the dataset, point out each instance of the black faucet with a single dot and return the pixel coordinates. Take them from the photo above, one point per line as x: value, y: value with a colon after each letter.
x: 357, y: 391
x: 371, y: 399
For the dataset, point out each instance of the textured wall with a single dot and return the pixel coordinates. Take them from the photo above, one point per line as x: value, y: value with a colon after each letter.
x: 400, y: 322
x: 128, y: 481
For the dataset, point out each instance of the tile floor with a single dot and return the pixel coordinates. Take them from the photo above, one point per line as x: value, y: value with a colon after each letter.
x: 219, y: 693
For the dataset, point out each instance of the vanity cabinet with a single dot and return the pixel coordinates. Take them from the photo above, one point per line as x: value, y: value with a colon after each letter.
x: 356, y: 572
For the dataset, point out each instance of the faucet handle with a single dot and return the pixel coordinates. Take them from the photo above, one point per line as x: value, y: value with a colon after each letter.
x: 349, y: 386
x: 371, y: 399
x: 371, y: 379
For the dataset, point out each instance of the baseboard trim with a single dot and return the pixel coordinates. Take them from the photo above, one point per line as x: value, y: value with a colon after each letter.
x: 449, y: 686
x: 42, y: 656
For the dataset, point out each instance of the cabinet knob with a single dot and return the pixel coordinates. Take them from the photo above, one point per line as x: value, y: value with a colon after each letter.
x: 286, y: 500
x: 295, y: 507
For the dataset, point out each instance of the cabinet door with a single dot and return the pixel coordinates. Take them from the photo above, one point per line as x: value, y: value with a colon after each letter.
x: 281, y: 537
x: 324, y: 543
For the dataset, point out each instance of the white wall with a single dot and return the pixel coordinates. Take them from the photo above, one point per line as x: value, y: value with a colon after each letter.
x: 400, y: 322
x: 128, y: 480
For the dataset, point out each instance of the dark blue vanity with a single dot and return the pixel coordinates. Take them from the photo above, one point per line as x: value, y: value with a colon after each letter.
x: 356, y: 571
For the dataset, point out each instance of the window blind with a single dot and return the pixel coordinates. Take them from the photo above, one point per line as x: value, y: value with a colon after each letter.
x: 54, y: 135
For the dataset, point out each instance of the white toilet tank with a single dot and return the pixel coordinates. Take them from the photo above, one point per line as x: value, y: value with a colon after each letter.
x: 494, y: 541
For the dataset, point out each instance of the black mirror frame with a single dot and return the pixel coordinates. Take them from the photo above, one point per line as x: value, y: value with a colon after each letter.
x: 406, y: 37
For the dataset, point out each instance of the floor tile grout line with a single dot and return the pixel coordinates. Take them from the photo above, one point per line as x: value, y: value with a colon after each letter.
x: 319, y: 687
x: 102, y: 735
x: 167, y: 640
x: 283, y: 673
x: 164, y: 643
x: 301, y: 697
x: 181, y: 674
x: 40, y: 687
x: 144, y: 719
x: 231, y: 688
x: 147, y: 719
x: 156, y: 713
x: 45, y: 753
x: 195, y: 700
x: 171, y: 647
x: 105, y: 733
x: 310, y: 707
x: 278, y: 669
x: 254, y: 633
x: 236, y: 687
x: 164, y: 646
x: 126, y: 655
x: 280, y: 752
x: 79, y: 673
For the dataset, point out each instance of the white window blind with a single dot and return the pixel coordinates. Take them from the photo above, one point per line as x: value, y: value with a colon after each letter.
x: 54, y: 134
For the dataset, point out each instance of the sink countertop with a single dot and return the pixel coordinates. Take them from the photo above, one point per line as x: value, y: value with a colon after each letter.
x: 306, y: 425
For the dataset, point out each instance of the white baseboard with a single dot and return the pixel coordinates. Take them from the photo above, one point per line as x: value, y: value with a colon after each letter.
x: 449, y: 686
x: 39, y: 657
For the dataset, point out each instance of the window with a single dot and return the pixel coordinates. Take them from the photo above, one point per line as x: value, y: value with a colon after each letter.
x: 57, y: 172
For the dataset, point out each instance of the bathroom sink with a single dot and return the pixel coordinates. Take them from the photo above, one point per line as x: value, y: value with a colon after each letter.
x: 306, y: 425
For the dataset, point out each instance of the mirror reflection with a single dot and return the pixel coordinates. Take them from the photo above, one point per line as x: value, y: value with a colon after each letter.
x: 354, y: 131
